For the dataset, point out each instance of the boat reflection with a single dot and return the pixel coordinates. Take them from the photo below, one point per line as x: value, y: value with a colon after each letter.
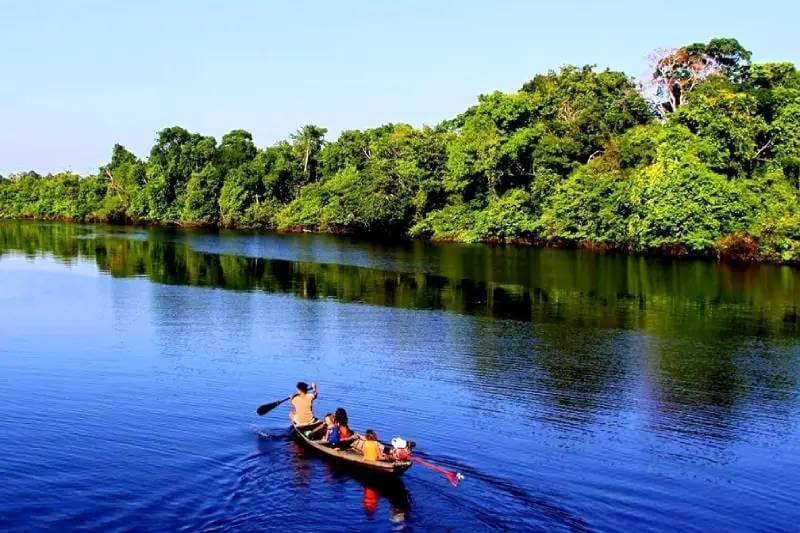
x: 393, y: 490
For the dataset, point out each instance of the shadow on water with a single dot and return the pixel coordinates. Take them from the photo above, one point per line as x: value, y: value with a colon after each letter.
x: 692, y: 299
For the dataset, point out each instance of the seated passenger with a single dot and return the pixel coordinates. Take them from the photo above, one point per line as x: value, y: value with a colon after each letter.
x: 372, y: 449
x: 321, y: 431
x: 331, y: 430
x: 340, y: 419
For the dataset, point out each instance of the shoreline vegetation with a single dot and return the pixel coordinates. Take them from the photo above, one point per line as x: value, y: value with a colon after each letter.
x: 701, y: 160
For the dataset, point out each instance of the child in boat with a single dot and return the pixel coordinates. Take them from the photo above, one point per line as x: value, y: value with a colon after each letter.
x: 340, y: 419
x: 328, y: 422
x: 321, y: 433
x: 332, y: 434
x: 372, y: 449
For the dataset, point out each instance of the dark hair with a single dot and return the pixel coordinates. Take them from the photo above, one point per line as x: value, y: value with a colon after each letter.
x: 340, y: 417
x: 302, y: 386
x: 371, y: 435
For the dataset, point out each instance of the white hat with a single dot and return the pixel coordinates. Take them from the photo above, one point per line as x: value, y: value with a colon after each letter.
x: 399, y: 443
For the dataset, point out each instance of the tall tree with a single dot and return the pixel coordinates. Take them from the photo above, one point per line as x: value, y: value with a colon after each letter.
x: 678, y: 71
x: 307, y: 143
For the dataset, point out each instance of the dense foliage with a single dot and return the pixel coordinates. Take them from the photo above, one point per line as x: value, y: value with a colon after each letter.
x: 709, y: 163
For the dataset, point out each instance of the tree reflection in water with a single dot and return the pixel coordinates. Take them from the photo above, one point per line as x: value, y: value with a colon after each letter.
x: 692, y: 299
x: 699, y: 319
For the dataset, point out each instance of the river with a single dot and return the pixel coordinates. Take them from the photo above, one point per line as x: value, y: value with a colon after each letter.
x: 575, y: 391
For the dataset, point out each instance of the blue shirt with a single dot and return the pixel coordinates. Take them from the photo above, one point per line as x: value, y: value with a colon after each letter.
x: 333, y: 438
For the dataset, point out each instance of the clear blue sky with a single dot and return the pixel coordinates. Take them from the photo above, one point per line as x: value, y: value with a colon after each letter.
x: 77, y: 76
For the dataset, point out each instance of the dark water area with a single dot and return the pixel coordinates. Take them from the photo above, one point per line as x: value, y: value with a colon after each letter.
x: 575, y: 391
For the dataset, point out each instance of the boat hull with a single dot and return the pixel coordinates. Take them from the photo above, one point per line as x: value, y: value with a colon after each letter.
x: 351, y: 458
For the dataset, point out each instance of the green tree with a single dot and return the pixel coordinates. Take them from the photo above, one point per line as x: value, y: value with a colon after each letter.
x: 307, y: 143
x: 176, y: 155
x: 594, y: 204
x: 125, y: 197
x: 785, y: 130
x: 236, y: 149
x: 728, y: 120
x: 679, y: 202
x: 201, y: 201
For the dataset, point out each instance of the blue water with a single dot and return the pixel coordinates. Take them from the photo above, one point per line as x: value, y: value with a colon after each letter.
x: 130, y: 370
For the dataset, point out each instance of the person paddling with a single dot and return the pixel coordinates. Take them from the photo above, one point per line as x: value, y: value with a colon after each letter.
x: 303, y: 404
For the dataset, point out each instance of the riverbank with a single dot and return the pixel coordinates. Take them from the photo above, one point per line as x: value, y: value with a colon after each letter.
x: 734, y: 249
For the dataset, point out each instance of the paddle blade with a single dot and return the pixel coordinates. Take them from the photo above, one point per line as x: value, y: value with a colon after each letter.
x: 454, y: 478
x: 267, y: 407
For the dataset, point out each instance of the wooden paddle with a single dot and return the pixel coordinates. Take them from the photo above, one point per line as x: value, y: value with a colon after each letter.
x: 267, y: 407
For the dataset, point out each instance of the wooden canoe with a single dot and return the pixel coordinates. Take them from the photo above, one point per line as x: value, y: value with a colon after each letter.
x: 351, y: 455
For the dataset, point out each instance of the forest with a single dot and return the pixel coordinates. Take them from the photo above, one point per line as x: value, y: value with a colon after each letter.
x: 702, y: 159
